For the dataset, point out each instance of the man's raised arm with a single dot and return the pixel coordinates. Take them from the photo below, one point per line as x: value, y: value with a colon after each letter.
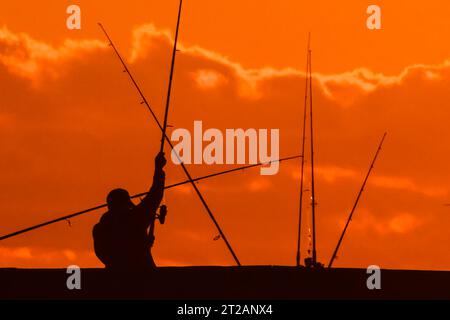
x: 152, y: 200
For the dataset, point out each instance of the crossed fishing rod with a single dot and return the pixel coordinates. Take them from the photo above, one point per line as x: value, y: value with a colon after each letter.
x: 163, y: 127
x: 164, y: 138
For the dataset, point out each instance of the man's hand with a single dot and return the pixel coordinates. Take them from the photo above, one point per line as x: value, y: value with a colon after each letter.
x: 160, y: 161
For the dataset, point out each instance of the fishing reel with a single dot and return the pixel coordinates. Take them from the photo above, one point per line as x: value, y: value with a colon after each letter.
x: 162, y: 214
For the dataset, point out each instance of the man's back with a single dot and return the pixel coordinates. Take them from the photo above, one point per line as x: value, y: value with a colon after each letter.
x: 121, y: 241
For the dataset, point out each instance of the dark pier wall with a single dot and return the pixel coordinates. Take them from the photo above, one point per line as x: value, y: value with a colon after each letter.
x: 259, y: 282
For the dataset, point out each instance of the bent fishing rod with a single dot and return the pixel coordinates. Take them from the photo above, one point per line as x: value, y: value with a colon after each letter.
x: 356, y: 202
x: 165, y: 137
x: 67, y: 217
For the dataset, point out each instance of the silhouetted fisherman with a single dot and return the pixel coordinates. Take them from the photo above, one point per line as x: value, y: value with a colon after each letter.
x: 121, y: 238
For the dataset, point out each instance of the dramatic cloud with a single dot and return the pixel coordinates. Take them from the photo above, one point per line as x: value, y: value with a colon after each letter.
x: 72, y: 128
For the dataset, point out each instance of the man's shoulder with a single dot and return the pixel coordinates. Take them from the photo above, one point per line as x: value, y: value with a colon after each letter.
x: 102, y: 226
x: 103, y: 220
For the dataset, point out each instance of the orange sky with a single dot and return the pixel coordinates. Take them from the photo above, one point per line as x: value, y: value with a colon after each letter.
x: 72, y: 127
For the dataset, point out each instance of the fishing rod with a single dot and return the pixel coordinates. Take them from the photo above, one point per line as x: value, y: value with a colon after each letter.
x: 163, y: 208
x: 67, y: 217
x: 172, y: 67
x: 313, y: 194
x: 144, y: 101
x: 222, y: 173
x: 356, y: 202
x: 303, y: 158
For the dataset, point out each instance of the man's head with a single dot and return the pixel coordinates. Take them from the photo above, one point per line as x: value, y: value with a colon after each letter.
x: 119, y: 200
